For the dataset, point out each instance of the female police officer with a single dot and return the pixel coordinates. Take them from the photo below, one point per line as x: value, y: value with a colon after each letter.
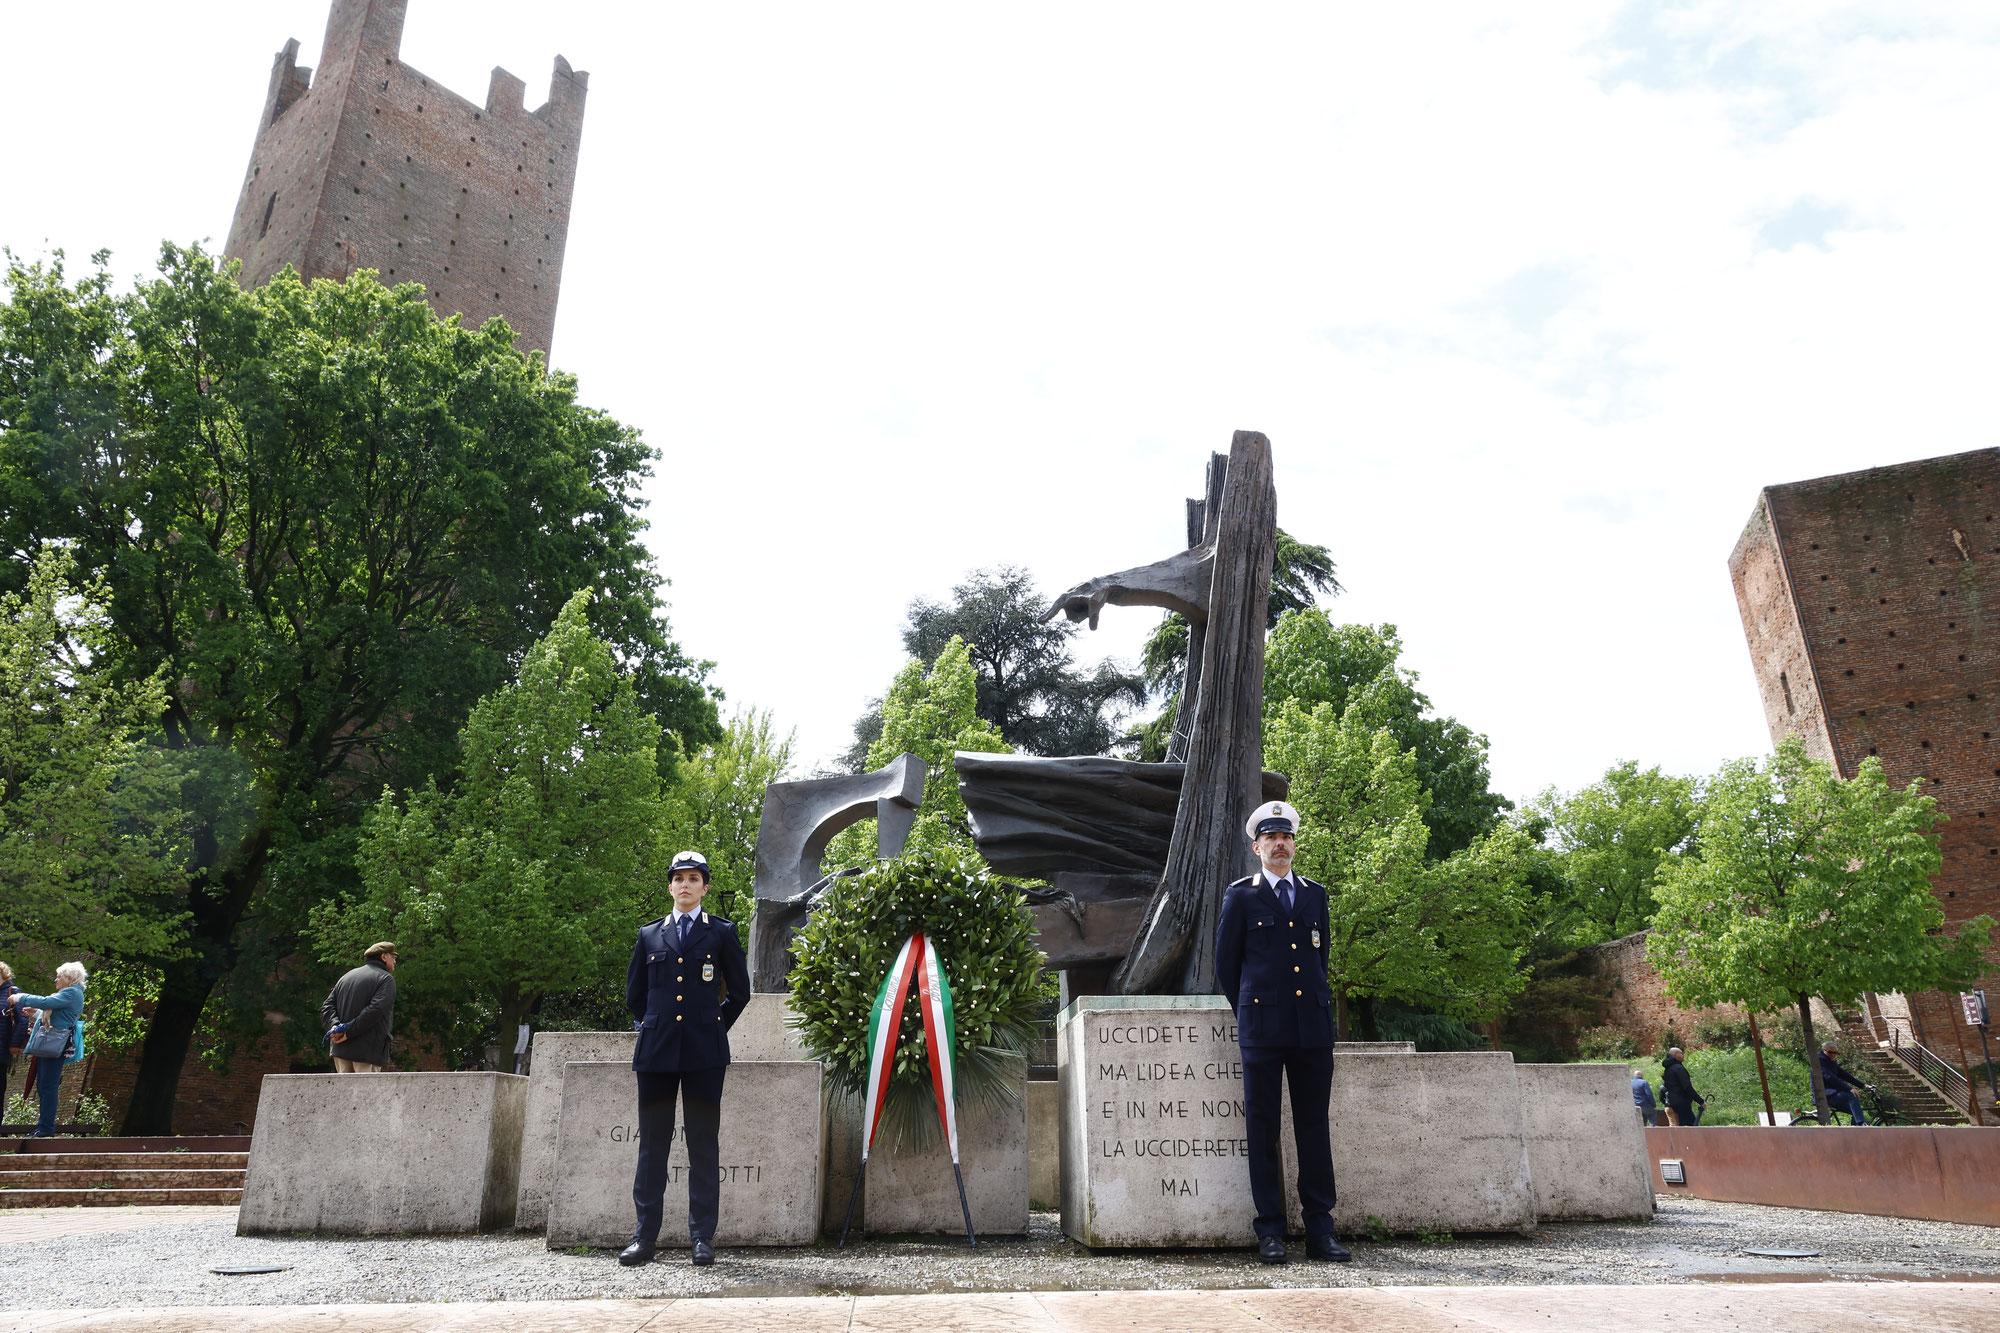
x: 686, y: 987
x: 1270, y: 960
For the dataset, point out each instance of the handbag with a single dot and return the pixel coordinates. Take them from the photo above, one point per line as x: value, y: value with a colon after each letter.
x: 47, y: 1043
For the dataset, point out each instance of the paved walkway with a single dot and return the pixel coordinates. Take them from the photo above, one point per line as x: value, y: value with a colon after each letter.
x: 1830, y: 1307
x: 18, y: 1224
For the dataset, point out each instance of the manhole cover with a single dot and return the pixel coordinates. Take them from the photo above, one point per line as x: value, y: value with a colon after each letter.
x: 254, y: 1268
x: 1784, y: 1254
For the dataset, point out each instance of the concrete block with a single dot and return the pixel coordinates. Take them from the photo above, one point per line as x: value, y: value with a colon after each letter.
x: 761, y: 1033
x: 913, y: 1192
x: 552, y: 1052
x: 1431, y: 1141
x: 772, y: 1157
x: 378, y: 1154
x: 1044, y: 1151
x: 1586, y: 1148
x: 1150, y: 1091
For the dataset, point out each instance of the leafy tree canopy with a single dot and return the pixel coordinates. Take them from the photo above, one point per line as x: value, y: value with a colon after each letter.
x: 1312, y: 661
x: 1300, y: 574
x: 931, y: 710
x: 716, y: 803
x: 1444, y: 935
x: 1611, y: 839
x: 1803, y: 884
x: 530, y: 874
x: 1030, y: 687
x: 330, y: 521
x: 88, y: 836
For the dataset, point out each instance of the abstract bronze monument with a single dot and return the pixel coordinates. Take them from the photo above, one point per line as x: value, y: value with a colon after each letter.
x: 799, y: 820
x: 1093, y: 823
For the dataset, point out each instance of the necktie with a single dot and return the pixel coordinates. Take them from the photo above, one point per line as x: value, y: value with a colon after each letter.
x: 1285, y: 891
x: 682, y: 924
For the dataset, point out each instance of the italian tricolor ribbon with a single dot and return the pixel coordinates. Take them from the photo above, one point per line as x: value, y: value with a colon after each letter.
x: 917, y: 959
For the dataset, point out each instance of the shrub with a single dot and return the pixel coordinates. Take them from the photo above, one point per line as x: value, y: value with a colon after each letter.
x: 1605, y: 1044
x: 1726, y: 1034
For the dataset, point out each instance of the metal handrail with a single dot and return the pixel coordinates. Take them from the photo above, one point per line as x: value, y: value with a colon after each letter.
x: 1929, y: 1067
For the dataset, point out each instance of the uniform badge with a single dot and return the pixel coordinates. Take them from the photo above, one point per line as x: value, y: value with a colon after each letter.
x: 708, y: 969
x: 1315, y: 937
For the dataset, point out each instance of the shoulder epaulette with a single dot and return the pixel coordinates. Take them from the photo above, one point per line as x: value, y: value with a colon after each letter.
x: 1243, y: 883
x: 1315, y: 883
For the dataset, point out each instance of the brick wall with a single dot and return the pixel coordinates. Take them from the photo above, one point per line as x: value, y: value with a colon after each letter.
x: 370, y: 164
x: 1869, y: 606
x: 1636, y: 1003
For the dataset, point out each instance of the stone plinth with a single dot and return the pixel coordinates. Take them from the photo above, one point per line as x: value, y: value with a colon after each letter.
x: 1430, y: 1141
x: 1151, y: 1110
x: 760, y: 1033
x: 1154, y: 1151
x: 1586, y: 1149
x: 1044, y: 1152
x: 375, y: 1154
x: 553, y: 1051
x: 913, y: 1192
x: 772, y: 1144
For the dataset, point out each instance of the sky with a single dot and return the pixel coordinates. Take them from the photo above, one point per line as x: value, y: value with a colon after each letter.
x: 1529, y: 304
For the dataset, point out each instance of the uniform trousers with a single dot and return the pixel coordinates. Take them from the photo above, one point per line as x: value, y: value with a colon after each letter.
x: 701, y: 1099
x: 1309, y: 1069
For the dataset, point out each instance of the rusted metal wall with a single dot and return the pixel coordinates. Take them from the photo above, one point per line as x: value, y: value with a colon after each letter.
x: 1946, y: 1174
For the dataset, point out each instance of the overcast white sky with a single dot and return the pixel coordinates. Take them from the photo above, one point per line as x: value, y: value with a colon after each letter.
x: 1529, y: 304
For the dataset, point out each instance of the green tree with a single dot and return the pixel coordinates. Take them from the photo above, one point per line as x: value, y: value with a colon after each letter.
x: 1611, y: 838
x: 1311, y: 660
x: 331, y: 521
x: 530, y: 874
x: 87, y: 845
x: 1030, y: 687
x: 1805, y: 884
x: 716, y: 802
x: 1445, y: 935
x: 931, y: 710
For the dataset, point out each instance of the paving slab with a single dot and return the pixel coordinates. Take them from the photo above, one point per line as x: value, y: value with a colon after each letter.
x: 1830, y: 1307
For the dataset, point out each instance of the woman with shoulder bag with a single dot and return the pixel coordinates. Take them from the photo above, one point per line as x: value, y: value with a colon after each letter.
x: 57, y: 1039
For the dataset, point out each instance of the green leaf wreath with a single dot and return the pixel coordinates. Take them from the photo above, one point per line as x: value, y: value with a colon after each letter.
x: 985, y: 937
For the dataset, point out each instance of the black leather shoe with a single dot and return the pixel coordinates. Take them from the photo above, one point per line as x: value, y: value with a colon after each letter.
x: 638, y: 1252
x: 1271, y: 1250
x: 704, y: 1254
x: 1327, y: 1248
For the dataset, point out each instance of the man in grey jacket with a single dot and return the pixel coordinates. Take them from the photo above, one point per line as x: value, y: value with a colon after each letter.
x: 359, y: 1013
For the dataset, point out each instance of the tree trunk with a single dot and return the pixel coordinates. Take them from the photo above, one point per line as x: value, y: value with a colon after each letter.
x: 1175, y: 949
x: 188, y: 981
x: 1820, y: 1106
x: 1340, y: 1015
x: 1757, y: 1049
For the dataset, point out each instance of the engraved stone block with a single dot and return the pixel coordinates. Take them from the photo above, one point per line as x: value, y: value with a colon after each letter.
x: 772, y: 1157
x: 913, y: 1192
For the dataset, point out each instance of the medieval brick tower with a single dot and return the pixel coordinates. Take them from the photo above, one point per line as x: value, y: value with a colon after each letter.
x: 1872, y: 608
x: 372, y: 165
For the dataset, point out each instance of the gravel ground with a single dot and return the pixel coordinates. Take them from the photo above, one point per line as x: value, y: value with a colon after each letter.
x: 1690, y: 1240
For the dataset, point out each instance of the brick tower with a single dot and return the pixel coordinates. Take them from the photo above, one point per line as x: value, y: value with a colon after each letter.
x: 372, y: 165
x: 1872, y: 608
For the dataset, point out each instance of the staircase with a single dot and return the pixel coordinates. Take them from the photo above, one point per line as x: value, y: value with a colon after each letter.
x: 67, y: 1173
x: 1922, y: 1103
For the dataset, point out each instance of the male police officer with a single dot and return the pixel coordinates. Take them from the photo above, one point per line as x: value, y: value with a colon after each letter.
x: 1270, y: 959
x: 686, y: 987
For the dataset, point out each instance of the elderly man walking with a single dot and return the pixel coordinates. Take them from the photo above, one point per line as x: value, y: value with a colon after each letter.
x: 360, y: 1011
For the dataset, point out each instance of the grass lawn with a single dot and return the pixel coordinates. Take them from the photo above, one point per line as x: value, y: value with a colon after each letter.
x: 1728, y: 1078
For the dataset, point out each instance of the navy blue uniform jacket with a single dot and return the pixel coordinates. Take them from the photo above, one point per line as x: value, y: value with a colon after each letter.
x: 1269, y: 967
x: 683, y: 1021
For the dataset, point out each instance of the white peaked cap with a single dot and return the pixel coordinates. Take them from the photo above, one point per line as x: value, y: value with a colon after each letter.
x: 1271, y: 810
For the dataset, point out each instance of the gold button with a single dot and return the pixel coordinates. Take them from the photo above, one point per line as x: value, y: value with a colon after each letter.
x: 678, y: 997
x: 1295, y: 946
x: 684, y: 978
x: 1293, y: 924
x: 677, y: 1018
x: 1256, y: 1002
x: 1298, y: 992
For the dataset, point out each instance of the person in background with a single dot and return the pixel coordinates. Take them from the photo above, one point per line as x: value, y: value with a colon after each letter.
x: 1678, y: 1090
x: 1841, y: 1087
x: 360, y: 1013
x: 14, y: 1024
x: 62, y: 1011
x: 1642, y: 1097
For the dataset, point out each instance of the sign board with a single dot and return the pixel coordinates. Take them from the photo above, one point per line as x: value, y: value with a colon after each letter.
x: 1673, y: 1171
x: 1975, y: 1007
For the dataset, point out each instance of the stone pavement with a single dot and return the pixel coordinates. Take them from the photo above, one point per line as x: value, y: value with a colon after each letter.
x: 18, y: 1224
x: 1827, y: 1307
